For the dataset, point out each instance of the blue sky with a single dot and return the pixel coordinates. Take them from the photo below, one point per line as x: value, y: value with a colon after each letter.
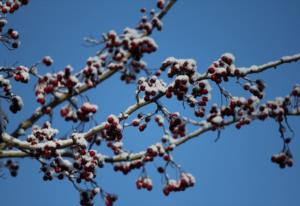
x: 234, y: 171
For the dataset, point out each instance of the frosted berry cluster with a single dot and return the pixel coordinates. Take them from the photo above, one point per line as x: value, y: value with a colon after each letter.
x: 151, y: 87
x: 42, y: 134
x: 11, y: 37
x: 144, y: 183
x: 112, y: 130
x: 109, y: 199
x: 86, y: 163
x: 186, y: 180
x: 256, y: 88
x: 47, y: 61
x: 82, y: 114
x: 178, y: 67
x: 224, y: 67
x: 16, y: 102
x: 154, y: 151
x: 283, y: 159
x: 94, y: 67
x: 177, y: 125
x: 50, y: 83
x: 12, y: 5
x: 22, y: 74
x: 86, y: 197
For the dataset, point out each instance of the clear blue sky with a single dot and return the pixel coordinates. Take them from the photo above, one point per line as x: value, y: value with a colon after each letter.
x: 235, y: 171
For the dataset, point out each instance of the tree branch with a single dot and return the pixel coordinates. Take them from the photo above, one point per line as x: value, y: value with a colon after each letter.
x: 273, y: 64
x: 39, y: 112
x: 139, y: 155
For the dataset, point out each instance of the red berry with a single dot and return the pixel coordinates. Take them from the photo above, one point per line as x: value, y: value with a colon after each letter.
x: 47, y: 60
x: 211, y: 70
x: 142, y: 127
x: 4, y: 10
x: 47, y: 110
x: 92, y: 153
x: 15, y: 45
x: 160, y: 169
x: 160, y: 4
x: 110, y: 119
x: 135, y: 123
x: 41, y: 100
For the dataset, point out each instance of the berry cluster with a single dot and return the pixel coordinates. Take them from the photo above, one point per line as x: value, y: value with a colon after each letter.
x: 256, y: 89
x: 278, y: 108
x: 214, y: 117
x: 11, y: 38
x: 283, y: 159
x: 93, y: 69
x: 202, y: 89
x: 239, y: 107
x: 47, y: 60
x: 86, y: 197
x: 12, y: 167
x: 82, y: 114
x: 110, y: 199
x: 147, y: 26
x: 137, y: 47
x: 185, y: 72
x: 131, y: 41
x: 179, y: 87
x: 145, y: 118
x: 46, y: 150
x: 57, y: 168
x: 144, y: 183
x: 42, y: 134
x: 186, y: 180
x: 12, y: 5
x: 154, y: 150
x: 177, y: 125
x: 86, y: 163
x: 180, y: 67
x: 16, y: 104
x: 51, y: 82
x: 222, y: 68
x: 112, y: 130
x: 159, y: 120
x: 151, y: 87
x: 21, y: 74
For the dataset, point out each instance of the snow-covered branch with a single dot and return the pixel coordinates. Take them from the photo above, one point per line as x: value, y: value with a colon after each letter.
x: 273, y: 64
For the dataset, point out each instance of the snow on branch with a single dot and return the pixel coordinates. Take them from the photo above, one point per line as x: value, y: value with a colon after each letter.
x: 272, y: 64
